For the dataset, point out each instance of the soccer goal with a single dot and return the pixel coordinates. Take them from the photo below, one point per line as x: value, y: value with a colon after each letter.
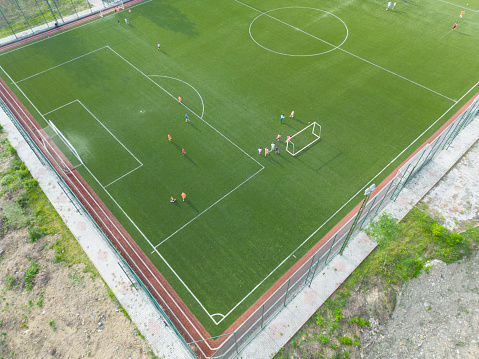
x: 303, y: 139
x: 62, y: 151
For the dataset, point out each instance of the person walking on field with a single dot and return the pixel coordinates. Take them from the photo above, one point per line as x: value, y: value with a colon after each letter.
x: 260, y: 150
x: 278, y: 137
x: 187, y: 119
x: 169, y: 137
x: 266, y: 152
x: 272, y: 146
x: 282, y: 117
x: 159, y: 46
x: 292, y: 114
x: 394, y: 5
x: 183, y: 152
x: 277, y: 150
x: 127, y: 21
x: 389, y: 5
x: 454, y: 27
x: 183, y: 195
x: 462, y: 13
x: 179, y: 99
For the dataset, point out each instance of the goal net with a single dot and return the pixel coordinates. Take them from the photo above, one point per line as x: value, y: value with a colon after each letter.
x: 62, y: 151
x: 303, y: 139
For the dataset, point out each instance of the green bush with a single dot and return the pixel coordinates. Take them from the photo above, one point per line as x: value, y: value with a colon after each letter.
x: 454, y: 239
x: 345, y: 340
x: 30, y: 274
x: 35, y: 233
x: 323, y: 339
x: 337, y: 313
x: 10, y: 281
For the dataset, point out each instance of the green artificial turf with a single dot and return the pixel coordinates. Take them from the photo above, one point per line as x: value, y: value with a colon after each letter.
x: 395, y: 79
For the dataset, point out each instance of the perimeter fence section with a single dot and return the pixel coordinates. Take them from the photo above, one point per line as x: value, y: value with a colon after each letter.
x: 299, y: 276
x: 49, y: 156
x: 303, y: 276
x: 20, y: 19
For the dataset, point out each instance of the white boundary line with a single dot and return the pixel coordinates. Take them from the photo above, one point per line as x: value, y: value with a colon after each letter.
x: 66, y: 62
x: 258, y: 171
x: 126, y: 241
x: 104, y: 187
x: 111, y: 134
x: 339, y: 48
x: 191, y: 220
x: 459, y: 6
x: 352, y: 197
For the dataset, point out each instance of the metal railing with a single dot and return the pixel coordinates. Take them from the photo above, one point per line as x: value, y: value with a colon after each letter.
x: 304, y: 275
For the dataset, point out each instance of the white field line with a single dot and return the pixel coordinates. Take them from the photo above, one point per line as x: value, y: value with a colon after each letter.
x: 66, y: 62
x: 263, y: 167
x: 186, y: 83
x: 357, y: 193
x: 191, y: 220
x: 46, y: 113
x: 146, y: 238
x: 126, y: 174
x: 459, y: 6
x: 111, y: 134
x: 347, y: 52
x: 19, y: 89
x: 199, y: 117
x: 68, y: 30
x: 255, y: 174
x: 93, y: 199
x: 134, y: 224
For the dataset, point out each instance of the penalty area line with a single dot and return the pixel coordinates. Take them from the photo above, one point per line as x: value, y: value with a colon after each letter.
x: 198, y: 215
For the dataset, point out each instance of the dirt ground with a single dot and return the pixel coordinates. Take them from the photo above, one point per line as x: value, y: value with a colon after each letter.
x: 435, y: 315
x: 66, y: 313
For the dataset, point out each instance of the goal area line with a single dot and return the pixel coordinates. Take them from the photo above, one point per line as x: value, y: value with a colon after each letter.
x: 294, y: 150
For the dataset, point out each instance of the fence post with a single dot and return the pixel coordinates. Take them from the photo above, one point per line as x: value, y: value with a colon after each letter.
x: 24, y: 16
x: 286, y: 294
x: 41, y: 12
x: 262, y: 316
x: 236, y: 343
x: 13, y: 32
x: 367, y: 194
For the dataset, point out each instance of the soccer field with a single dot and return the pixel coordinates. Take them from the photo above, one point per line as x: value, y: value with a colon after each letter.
x: 379, y: 83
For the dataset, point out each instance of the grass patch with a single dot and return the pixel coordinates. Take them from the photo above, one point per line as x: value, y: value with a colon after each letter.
x: 40, y: 300
x: 30, y: 274
x: 10, y: 281
x: 51, y: 323
x: 403, y: 250
x: 115, y: 300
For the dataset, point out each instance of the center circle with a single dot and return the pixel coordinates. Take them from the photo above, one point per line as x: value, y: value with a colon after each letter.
x: 322, y: 32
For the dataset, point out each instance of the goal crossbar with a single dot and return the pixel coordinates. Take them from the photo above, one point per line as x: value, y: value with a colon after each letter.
x: 290, y: 147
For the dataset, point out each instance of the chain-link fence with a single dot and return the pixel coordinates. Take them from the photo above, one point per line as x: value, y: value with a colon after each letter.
x: 23, y: 18
x: 233, y: 343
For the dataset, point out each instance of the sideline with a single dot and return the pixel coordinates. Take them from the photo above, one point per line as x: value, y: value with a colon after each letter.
x: 160, y: 337
x: 285, y: 325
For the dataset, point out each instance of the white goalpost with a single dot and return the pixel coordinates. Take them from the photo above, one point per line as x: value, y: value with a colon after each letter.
x: 293, y: 149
